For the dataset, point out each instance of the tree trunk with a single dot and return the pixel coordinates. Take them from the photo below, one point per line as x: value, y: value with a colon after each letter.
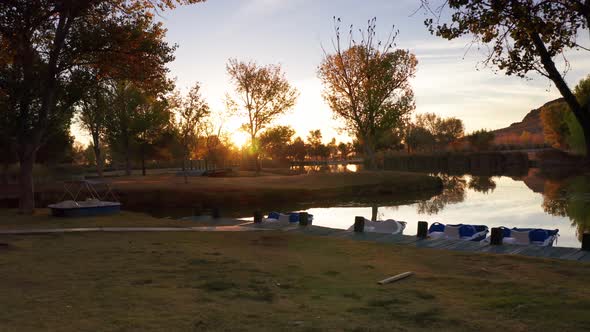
x: 127, y: 160
x: 370, y: 158
x: 258, y: 164
x: 98, y: 155
x: 374, y: 211
x: 581, y: 113
x: 142, y: 160
x: 26, y: 204
x: 99, y: 161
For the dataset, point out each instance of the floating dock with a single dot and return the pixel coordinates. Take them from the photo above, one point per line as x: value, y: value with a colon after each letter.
x: 572, y: 254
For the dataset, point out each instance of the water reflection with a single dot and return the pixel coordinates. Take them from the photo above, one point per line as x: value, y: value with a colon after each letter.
x: 530, y: 201
x: 483, y: 184
x: 336, y: 168
x: 453, y: 193
x: 570, y: 198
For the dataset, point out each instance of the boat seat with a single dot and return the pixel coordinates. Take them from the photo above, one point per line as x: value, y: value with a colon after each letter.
x: 520, y: 237
x: 452, y: 232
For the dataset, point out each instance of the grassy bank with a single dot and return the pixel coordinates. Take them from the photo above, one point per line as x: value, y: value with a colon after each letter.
x: 168, y: 191
x: 268, y: 281
x: 10, y: 219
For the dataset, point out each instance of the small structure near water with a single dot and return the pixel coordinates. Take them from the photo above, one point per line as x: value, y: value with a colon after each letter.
x: 82, y: 199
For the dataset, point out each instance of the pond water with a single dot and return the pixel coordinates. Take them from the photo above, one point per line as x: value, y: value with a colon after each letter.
x: 333, y: 168
x: 527, y: 202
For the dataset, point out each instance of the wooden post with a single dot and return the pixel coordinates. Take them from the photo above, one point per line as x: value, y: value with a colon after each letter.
x: 586, y: 242
x: 497, y: 236
x: 216, y: 213
x: 359, y: 224
x: 257, y: 217
x: 422, y: 229
x: 197, y: 211
x: 303, y: 219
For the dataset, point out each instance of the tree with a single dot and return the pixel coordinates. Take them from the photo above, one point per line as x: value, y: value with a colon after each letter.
x: 216, y: 145
x: 264, y: 93
x: 368, y: 85
x: 523, y: 36
x: 419, y: 138
x: 443, y: 130
x: 138, y: 118
x: 94, y: 110
x: 149, y: 122
x: 314, y: 139
x: 560, y: 126
x: 481, y: 139
x: 344, y: 150
x: 274, y: 142
x: 126, y: 100
x: 191, y: 110
x: 449, y: 130
x: 555, y: 128
x: 297, y: 150
x: 47, y: 46
x: 332, y: 148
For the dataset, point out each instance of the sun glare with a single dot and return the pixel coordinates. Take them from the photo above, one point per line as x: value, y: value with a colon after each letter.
x: 239, y: 138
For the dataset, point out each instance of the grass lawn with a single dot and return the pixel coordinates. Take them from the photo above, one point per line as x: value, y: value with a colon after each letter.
x: 269, y: 281
x: 9, y: 219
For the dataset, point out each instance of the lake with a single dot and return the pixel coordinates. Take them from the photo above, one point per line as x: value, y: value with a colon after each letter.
x: 532, y: 200
x: 529, y: 201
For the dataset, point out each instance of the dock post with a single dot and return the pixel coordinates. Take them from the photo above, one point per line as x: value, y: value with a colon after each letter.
x: 257, y: 217
x: 359, y: 224
x: 303, y: 219
x: 586, y: 242
x: 215, y: 213
x: 496, y: 236
x: 197, y: 210
x: 422, y: 229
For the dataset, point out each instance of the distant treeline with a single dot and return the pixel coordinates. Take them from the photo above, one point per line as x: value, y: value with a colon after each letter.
x: 455, y: 163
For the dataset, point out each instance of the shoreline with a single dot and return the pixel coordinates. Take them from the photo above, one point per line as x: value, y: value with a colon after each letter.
x: 169, y: 191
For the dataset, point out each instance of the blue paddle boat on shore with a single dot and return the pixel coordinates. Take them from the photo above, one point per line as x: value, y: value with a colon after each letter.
x: 291, y: 217
x: 529, y: 236
x: 463, y: 232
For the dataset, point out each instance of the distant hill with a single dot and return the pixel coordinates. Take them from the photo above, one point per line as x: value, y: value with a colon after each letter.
x: 530, y: 123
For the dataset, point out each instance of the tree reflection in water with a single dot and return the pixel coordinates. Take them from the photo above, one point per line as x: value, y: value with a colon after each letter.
x: 483, y: 184
x: 454, y: 192
x: 569, y: 198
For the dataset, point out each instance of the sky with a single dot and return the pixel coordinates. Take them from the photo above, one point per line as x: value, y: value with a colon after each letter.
x: 450, y: 80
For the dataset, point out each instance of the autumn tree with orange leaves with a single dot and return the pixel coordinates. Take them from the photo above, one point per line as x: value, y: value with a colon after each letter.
x: 48, y: 48
x: 367, y: 84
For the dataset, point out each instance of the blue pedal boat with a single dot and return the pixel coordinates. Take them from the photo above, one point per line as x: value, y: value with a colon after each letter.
x: 529, y: 236
x: 291, y: 217
x: 464, y: 232
x: 84, y: 200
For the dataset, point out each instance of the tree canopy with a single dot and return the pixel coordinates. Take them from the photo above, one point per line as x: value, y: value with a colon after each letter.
x: 262, y: 93
x: 47, y: 49
x: 522, y: 36
x: 368, y: 85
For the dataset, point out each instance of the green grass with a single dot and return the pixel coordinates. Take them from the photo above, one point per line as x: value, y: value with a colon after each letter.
x: 9, y: 219
x: 269, y: 281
